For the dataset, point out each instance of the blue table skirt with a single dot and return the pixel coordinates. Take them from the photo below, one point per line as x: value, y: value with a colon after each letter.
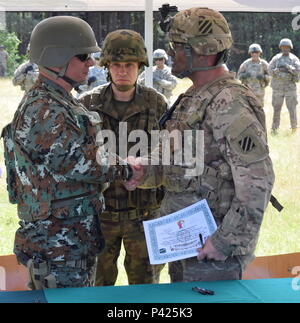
x: 283, y: 290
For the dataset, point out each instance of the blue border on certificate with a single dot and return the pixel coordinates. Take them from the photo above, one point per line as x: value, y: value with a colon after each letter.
x: 198, y: 207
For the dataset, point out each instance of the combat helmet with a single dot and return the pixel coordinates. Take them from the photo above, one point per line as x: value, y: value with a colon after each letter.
x: 160, y: 53
x: 204, y: 30
x: 55, y: 40
x: 286, y: 42
x: 254, y: 48
x: 124, y: 46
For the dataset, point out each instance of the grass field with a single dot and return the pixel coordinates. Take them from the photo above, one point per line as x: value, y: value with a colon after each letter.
x: 280, y: 232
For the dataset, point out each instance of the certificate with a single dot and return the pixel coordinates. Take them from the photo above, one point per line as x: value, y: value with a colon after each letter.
x: 177, y: 236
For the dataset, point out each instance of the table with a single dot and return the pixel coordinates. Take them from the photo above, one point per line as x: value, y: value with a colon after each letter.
x: 280, y: 290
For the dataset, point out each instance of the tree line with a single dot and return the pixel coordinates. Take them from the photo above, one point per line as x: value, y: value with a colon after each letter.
x: 264, y: 28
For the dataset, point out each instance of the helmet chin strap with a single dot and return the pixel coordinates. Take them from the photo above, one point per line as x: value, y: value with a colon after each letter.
x: 188, y: 52
x: 123, y: 88
x: 60, y: 74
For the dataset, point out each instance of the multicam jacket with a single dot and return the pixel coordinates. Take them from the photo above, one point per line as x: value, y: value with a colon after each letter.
x: 238, y: 175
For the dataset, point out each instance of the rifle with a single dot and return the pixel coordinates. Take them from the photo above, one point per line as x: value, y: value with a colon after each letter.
x: 168, y: 113
x: 165, y: 11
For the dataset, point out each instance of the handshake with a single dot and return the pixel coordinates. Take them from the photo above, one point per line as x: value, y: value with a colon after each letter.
x: 138, y: 172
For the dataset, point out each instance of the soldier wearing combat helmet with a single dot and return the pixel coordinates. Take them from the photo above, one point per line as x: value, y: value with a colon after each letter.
x: 163, y: 80
x: 285, y: 70
x: 254, y: 72
x: 56, y: 172
x: 135, y: 107
x: 237, y: 177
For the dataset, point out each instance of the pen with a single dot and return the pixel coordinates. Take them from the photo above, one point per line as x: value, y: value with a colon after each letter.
x: 201, y: 240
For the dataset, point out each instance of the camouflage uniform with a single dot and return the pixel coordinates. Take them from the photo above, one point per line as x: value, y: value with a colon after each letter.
x: 125, y: 211
x: 53, y: 175
x: 238, y: 174
x: 25, y: 76
x: 163, y: 80
x: 284, y: 70
x: 3, y: 61
x: 255, y: 75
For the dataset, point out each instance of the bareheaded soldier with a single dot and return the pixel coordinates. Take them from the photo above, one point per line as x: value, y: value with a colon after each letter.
x: 53, y: 174
x: 254, y: 72
x: 237, y: 177
x: 284, y: 69
x: 125, y: 106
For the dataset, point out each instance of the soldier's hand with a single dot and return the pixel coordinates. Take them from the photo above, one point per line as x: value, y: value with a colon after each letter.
x: 138, y: 173
x: 209, y: 252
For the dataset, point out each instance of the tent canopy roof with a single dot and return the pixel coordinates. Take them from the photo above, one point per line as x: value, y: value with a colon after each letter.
x: 139, y: 5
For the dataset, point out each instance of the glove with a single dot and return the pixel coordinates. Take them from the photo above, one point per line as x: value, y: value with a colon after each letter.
x: 28, y: 69
x: 91, y: 80
x: 244, y: 76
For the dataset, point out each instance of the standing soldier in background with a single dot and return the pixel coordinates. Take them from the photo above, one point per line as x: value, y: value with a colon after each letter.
x: 26, y: 75
x: 55, y: 172
x: 254, y: 72
x: 123, y: 100
x: 3, y: 61
x: 284, y: 69
x: 238, y: 176
x: 163, y: 80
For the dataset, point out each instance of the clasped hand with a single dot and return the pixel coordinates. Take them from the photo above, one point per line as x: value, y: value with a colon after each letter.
x: 138, y: 173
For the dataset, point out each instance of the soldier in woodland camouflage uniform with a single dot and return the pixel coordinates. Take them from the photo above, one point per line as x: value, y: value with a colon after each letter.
x: 254, y: 72
x: 122, y: 100
x: 284, y: 69
x: 238, y: 174
x: 51, y: 152
x: 163, y: 80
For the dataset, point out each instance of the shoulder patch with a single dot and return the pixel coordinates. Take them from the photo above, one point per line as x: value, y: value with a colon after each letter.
x: 247, y: 140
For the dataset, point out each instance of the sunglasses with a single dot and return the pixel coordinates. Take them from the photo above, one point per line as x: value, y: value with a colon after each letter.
x: 83, y: 57
x: 158, y: 59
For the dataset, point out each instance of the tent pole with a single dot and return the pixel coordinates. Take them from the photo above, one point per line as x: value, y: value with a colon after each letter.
x: 149, y: 40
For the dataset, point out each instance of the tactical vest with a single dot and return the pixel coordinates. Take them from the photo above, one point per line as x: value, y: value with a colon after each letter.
x: 215, y: 183
x: 140, y: 200
x: 37, y: 196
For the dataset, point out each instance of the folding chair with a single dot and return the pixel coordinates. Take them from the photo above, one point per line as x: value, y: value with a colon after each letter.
x: 277, y: 266
x: 13, y: 277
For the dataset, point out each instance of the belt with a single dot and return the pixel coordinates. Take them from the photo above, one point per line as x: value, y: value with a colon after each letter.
x: 68, y: 200
x: 123, y: 214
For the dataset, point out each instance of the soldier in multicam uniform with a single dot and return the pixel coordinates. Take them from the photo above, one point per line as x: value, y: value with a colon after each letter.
x: 163, y: 80
x: 3, y: 61
x: 123, y: 100
x: 284, y: 69
x: 51, y: 155
x: 238, y: 176
x: 254, y: 72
